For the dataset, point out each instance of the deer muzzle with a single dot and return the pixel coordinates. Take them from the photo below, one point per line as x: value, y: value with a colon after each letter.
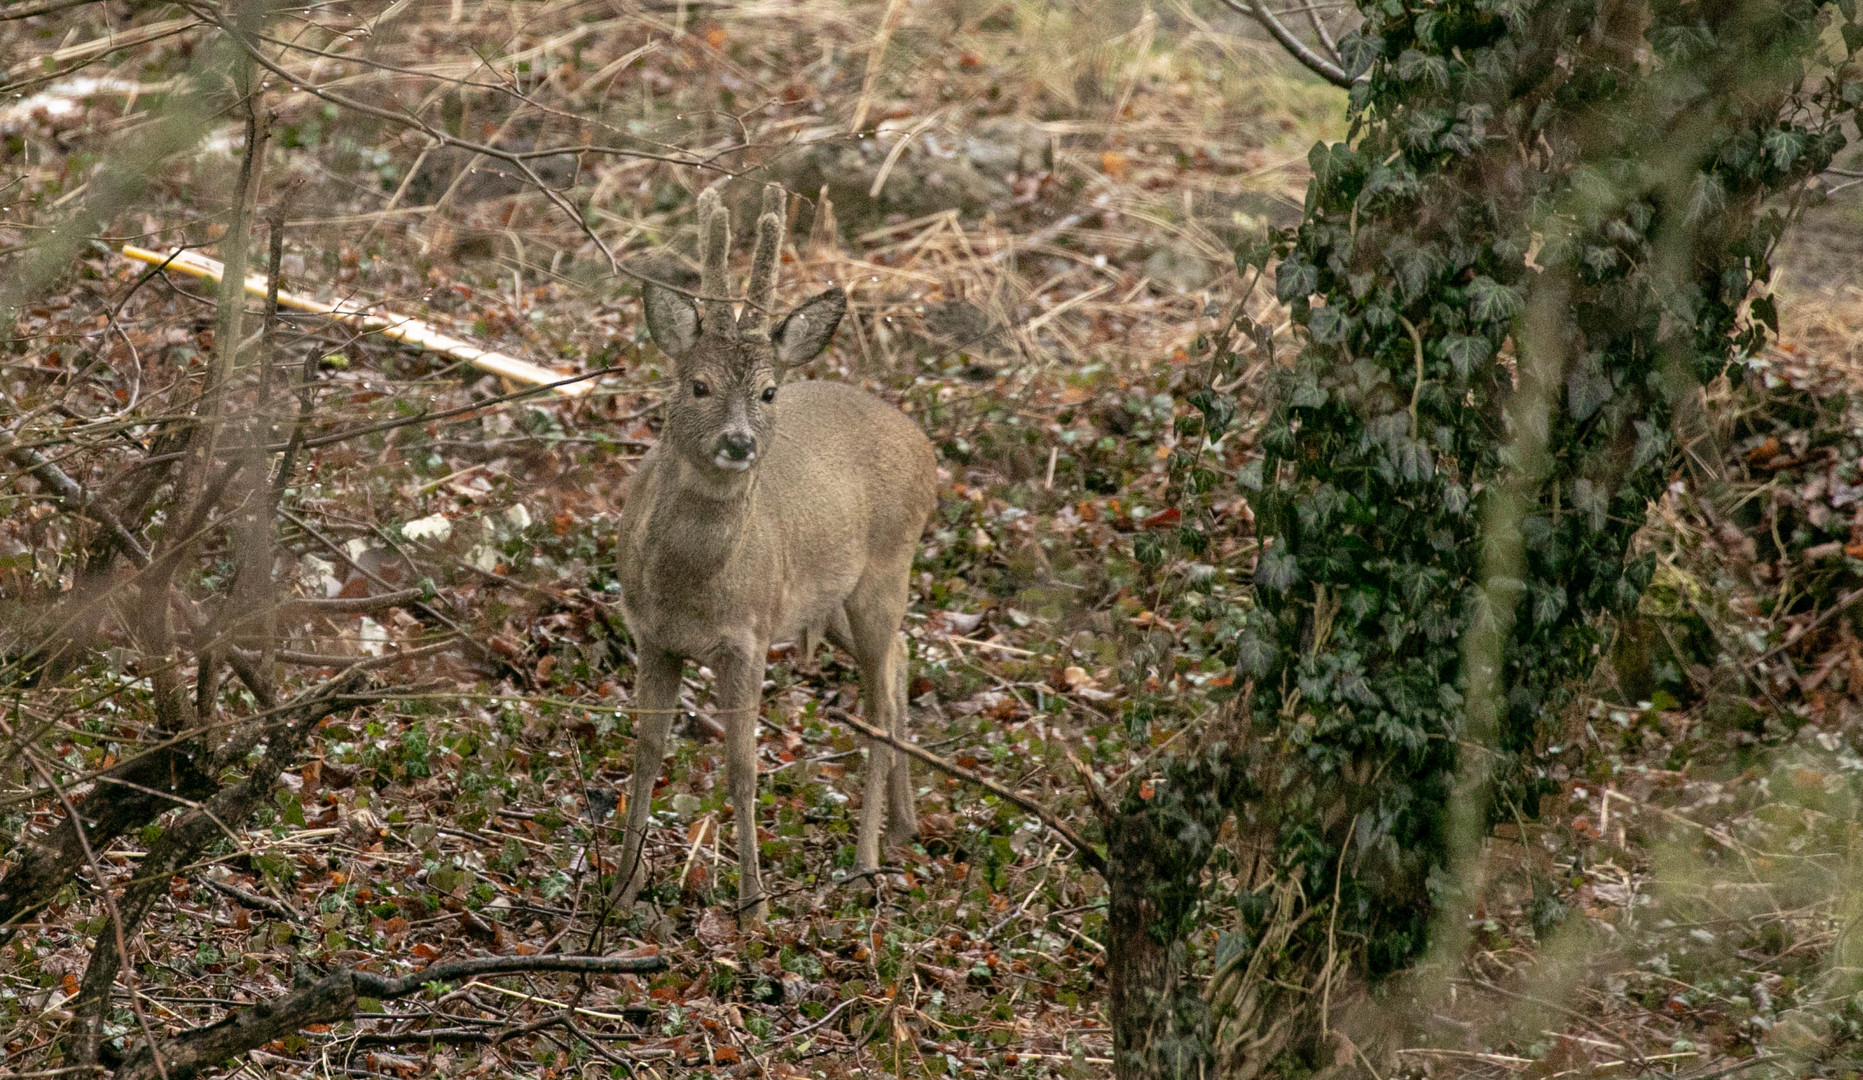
x: 736, y: 450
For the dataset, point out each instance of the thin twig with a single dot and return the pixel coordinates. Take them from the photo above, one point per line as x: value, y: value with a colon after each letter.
x: 1092, y: 858
x: 1299, y: 49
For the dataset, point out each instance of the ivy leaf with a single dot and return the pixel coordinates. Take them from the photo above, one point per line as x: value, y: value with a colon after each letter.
x: 1327, y: 162
x: 1465, y: 353
x: 1766, y: 312
x: 1308, y: 394
x: 1592, y: 501
x: 1415, y: 265
x: 1354, y: 687
x: 1414, y: 65
x: 1491, y: 301
x: 1254, y: 655
x: 1217, y: 410
x: 1295, y: 279
x: 1652, y: 442
x: 1358, y: 51
x: 1148, y: 550
x: 1783, y: 145
x: 1548, y: 603
x: 1706, y: 200
x: 1414, y: 461
x: 1277, y: 570
x: 1328, y: 325
x: 1232, y: 945
x: 1587, y: 388
x: 1254, y: 253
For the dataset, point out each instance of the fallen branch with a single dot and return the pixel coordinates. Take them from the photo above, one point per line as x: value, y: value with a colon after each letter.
x: 1092, y: 858
x: 365, y: 663
x: 189, y: 834
x: 1843, y: 604
x: 334, y: 997
x: 129, y: 795
x: 408, y: 331
x: 50, y: 7
x: 350, y: 605
x: 468, y: 411
x: 74, y: 498
x: 252, y: 899
x: 454, y: 1036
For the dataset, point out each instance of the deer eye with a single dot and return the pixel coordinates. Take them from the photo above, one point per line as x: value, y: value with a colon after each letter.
x: 699, y: 389
x: 769, y: 394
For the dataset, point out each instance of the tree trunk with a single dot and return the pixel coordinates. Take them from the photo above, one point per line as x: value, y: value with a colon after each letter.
x: 1139, y: 974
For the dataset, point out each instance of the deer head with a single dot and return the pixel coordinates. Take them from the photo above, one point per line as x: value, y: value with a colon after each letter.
x: 727, y: 367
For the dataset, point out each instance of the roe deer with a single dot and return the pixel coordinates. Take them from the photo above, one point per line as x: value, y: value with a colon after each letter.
x: 761, y: 517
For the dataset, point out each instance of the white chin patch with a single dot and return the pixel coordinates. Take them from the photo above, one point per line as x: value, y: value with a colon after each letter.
x: 732, y: 464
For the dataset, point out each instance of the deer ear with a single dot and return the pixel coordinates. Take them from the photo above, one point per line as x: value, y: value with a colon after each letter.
x: 806, y: 331
x: 672, y: 319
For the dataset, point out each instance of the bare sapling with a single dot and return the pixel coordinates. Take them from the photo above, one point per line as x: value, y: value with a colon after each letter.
x: 766, y: 513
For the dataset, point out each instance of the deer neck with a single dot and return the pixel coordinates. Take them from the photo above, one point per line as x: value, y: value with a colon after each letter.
x: 703, y: 520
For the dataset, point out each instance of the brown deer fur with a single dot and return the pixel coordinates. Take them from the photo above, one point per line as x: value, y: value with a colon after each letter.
x: 764, y: 516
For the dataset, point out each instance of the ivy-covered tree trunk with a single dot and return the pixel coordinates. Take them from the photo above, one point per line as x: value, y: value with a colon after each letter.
x: 1158, y: 844
x: 1542, y: 235
x: 1545, y: 231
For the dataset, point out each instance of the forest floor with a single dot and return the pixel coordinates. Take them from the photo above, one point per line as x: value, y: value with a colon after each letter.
x: 1034, y: 209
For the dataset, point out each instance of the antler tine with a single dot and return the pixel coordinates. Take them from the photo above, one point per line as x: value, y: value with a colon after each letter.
x: 763, y: 262
x: 714, y: 248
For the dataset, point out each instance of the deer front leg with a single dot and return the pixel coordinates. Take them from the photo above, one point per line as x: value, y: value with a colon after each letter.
x: 656, y: 696
x: 740, y: 699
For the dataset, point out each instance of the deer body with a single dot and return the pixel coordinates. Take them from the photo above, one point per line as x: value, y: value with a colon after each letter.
x: 759, y: 518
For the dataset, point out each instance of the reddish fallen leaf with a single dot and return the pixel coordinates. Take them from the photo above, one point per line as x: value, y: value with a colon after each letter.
x: 1764, y: 451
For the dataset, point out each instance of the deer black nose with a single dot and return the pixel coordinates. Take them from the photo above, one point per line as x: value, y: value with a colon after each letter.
x: 739, y: 447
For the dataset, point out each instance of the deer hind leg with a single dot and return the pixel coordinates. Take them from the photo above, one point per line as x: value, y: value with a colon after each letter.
x: 902, y: 826
x: 876, y: 693
x: 740, y: 699
x: 874, y: 619
x: 656, y: 696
